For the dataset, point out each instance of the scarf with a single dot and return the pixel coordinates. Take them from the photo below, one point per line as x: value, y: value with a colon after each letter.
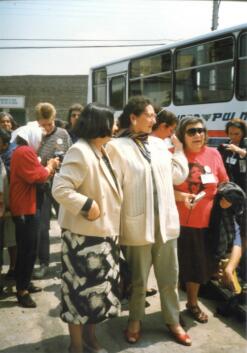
x: 141, y: 140
x: 30, y: 133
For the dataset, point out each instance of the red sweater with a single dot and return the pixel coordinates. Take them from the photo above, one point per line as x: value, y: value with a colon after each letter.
x: 25, y: 172
x: 207, y: 160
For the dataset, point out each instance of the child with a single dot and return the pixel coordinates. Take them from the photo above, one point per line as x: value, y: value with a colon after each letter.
x: 228, y: 206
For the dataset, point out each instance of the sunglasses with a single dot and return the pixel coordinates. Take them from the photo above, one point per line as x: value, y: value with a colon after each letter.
x: 194, y: 130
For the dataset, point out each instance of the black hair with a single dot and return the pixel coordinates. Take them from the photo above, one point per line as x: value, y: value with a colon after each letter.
x: 189, y: 120
x: 164, y: 116
x: 238, y: 123
x: 14, y: 123
x: 60, y: 123
x: 136, y: 105
x: 74, y: 107
x: 21, y: 141
x: 96, y: 120
x: 5, y: 136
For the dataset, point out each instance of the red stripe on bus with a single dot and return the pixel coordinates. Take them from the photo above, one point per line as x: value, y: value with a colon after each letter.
x: 216, y: 133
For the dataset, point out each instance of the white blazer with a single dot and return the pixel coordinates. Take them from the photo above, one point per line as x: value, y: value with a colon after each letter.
x: 136, y: 177
x: 84, y: 174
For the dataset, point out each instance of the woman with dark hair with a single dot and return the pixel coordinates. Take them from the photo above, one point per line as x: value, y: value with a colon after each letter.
x: 7, y: 122
x: 149, y: 218
x: 73, y: 115
x: 90, y: 199
x: 234, y: 153
x: 207, y: 171
x: 165, y: 126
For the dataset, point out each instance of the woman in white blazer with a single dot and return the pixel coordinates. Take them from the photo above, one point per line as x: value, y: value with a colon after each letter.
x: 149, y: 217
x: 90, y: 199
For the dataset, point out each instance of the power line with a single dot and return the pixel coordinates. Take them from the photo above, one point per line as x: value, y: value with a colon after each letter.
x: 84, y: 40
x: 84, y: 46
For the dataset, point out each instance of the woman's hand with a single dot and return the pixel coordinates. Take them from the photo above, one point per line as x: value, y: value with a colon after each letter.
x: 52, y: 165
x: 176, y: 143
x: 94, y: 212
x: 235, y: 149
x: 186, y: 198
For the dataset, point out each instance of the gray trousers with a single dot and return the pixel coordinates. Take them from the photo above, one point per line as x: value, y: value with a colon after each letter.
x: 164, y: 259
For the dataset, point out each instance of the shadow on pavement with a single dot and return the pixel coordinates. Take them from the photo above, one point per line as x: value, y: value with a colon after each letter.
x: 57, y: 344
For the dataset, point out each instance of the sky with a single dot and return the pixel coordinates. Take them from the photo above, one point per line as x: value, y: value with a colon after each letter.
x: 101, y: 23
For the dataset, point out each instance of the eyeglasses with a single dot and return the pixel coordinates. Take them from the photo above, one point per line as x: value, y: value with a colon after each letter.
x: 194, y: 130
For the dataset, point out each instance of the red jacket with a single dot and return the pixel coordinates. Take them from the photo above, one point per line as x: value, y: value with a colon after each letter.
x: 25, y: 172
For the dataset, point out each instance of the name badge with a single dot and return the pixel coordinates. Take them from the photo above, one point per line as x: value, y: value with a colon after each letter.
x: 208, y: 178
x: 242, y: 165
x: 231, y: 160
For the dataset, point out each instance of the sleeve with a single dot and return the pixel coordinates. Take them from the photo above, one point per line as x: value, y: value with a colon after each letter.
x: 180, y: 168
x: 69, y: 179
x: 30, y: 169
x: 237, y: 239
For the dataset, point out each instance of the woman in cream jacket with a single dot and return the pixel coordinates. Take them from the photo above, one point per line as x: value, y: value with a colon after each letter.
x: 149, y: 217
x: 90, y: 199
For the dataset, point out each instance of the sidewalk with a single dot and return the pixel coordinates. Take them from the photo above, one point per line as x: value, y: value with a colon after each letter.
x: 40, y: 330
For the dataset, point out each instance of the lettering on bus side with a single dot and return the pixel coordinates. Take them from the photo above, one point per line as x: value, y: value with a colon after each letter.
x: 216, y: 116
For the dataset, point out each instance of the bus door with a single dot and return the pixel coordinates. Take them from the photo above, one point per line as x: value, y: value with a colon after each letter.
x: 117, y: 87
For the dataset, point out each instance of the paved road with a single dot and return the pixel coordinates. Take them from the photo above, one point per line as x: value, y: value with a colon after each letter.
x: 40, y: 330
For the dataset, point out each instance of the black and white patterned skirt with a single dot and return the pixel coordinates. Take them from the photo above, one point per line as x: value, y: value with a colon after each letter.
x: 90, y: 278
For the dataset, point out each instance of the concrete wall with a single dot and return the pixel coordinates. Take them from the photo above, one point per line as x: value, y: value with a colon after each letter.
x: 61, y: 91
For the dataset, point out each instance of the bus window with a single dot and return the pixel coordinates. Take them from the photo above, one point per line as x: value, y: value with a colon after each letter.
x: 99, y: 86
x: 117, y: 92
x: 242, y: 68
x: 204, y: 72
x: 151, y: 77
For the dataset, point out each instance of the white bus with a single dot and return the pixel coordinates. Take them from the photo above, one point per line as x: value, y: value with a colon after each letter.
x: 205, y: 75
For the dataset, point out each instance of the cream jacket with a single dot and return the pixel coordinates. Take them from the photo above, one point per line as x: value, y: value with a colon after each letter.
x: 135, y: 176
x: 84, y: 174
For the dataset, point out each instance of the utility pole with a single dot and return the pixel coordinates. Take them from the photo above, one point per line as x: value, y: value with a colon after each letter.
x: 215, y: 17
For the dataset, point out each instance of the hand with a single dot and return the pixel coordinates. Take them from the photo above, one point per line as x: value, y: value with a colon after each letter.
x: 226, y: 278
x: 53, y: 163
x: 94, y: 212
x: 176, y: 142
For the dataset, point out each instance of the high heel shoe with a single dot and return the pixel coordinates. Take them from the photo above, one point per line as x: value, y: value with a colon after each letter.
x: 132, y: 337
x: 182, y: 338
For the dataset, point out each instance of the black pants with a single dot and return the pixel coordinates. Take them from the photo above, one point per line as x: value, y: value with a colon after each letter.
x: 26, y: 240
x: 43, y: 245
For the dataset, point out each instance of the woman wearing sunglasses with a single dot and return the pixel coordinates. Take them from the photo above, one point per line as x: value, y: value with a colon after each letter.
x: 196, y: 264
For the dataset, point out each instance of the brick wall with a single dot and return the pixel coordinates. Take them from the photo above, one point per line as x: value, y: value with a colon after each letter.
x: 61, y: 91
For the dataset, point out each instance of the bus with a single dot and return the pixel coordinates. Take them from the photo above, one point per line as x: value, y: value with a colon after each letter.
x: 204, y: 76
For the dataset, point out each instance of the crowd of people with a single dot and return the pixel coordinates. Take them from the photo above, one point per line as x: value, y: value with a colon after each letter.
x: 147, y: 190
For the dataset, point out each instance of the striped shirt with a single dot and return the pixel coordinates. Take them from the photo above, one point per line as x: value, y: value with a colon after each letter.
x: 58, y: 140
